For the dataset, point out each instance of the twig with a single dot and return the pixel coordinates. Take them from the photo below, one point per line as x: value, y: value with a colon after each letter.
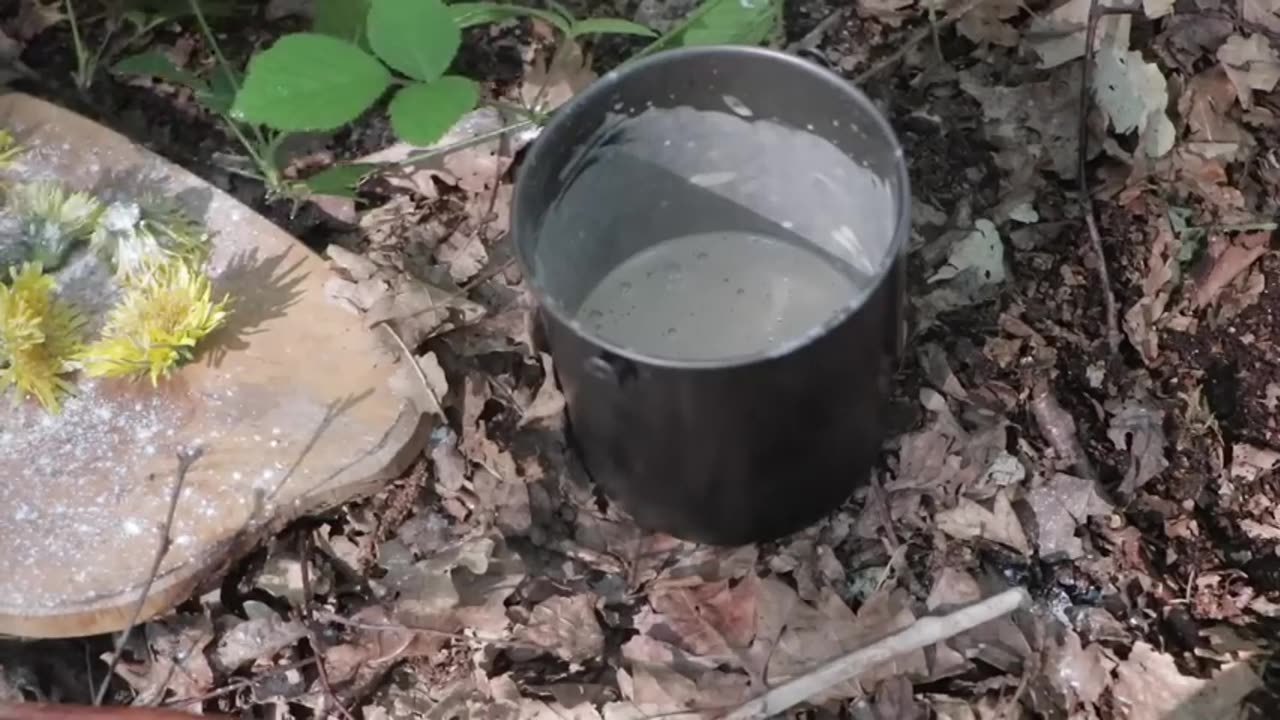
x: 923, y: 633
x: 239, y: 684
x: 312, y: 638
x: 186, y: 458
x: 422, y: 375
x: 919, y: 37
x: 1082, y: 161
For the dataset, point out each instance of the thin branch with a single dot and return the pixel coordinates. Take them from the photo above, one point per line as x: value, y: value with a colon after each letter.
x: 1082, y: 162
x: 186, y: 458
x: 312, y: 638
x: 919, y: 37
x: 921, y: 634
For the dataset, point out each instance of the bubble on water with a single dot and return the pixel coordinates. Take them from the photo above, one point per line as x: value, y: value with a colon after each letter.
x: 737, y: 106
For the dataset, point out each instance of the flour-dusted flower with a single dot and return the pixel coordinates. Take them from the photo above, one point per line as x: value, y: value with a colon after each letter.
x: 10, y: 149
x: 51, y: 219
x: 167, y: 309
x: 39, y: 337
x: 137, y: 236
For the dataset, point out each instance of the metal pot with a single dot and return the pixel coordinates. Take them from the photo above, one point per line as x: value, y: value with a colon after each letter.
x: 748, y: 446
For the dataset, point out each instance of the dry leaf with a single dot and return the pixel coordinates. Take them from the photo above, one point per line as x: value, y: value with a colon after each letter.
x: 986, y: 23
x: 712, y: 621
x: 464, y: 254
x: 253, y: 639
x: 548, y: 87
x: 1251, y: 63
x: 969, y: 520
x: 1157, y: 287
x: 548, y: 403
x: 1262, y: 12
x: 1231, y: 259
x: 1058, y: 36
x: 174, y: 660
x: 1133, y: 94
x: 406, y: 382
x: 1060, y: 505
x: 1205, y: 104
x: 1080, y: 674
x: 890, y: 12
x: 1032, y: 123
x: 998, y: 643
x: 1150, y: 687
x: 1058, y: 427
x: 567, y: 627
x: 1137, y: 426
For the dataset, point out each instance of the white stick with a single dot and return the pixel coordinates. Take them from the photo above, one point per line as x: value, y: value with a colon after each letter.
x: 922, y: 633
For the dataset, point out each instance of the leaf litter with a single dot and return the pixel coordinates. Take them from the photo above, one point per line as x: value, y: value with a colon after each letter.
x: 505, y: 586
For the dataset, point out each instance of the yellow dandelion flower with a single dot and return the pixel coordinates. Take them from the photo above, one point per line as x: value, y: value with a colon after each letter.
x: 39, y: 337
x: 137, y: 236
x: 165, y: 312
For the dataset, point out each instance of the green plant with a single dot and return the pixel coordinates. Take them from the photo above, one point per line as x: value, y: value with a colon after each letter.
x: 359, y: 50
x: 125, y: 22
x: 217, y: 91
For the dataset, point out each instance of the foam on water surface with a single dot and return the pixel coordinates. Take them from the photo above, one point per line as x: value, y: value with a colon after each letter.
x: 714, y: 296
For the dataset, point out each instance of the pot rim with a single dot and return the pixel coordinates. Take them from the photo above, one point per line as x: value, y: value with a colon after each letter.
x: 599, y: 92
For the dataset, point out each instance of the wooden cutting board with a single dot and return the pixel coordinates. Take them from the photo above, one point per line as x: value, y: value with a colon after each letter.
x: 289, y: 405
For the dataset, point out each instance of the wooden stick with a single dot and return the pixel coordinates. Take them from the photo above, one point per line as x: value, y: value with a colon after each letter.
x: 924, y: 632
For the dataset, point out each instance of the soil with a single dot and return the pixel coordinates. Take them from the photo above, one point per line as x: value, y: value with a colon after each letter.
x: 1217, y: 386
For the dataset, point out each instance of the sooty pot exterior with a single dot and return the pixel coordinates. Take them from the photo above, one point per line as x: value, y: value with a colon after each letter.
x: 738, y: 452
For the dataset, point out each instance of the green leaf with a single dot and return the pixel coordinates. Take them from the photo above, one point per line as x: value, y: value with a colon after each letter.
x: 468, y: 14
x: 343, y: 19
x: 422, y: 114
x: 156, y: 64
x: 340, y: 180
x: 309, y: 82
x: 417, y: 37
x: 721, y: 22
x: 613, y: 26
x: 220, y: 94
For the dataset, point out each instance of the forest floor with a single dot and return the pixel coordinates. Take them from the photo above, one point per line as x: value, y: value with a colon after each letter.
x: 1129, y: 481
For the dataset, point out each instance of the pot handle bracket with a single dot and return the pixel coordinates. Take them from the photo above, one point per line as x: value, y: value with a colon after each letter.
x: 613, y: 369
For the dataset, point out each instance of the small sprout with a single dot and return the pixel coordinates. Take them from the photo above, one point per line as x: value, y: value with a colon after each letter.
x: 135, y: 237
x: 166, y: 310
x: 39, y: 337
x: 52, y: 220
x: 9, y: 149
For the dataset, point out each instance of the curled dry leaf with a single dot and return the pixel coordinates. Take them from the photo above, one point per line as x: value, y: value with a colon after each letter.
x: 1252, y: 64
x: 1059, y: 429
x: 1150, y: 686
x: 567, y: 627
x: 1140, y: 321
